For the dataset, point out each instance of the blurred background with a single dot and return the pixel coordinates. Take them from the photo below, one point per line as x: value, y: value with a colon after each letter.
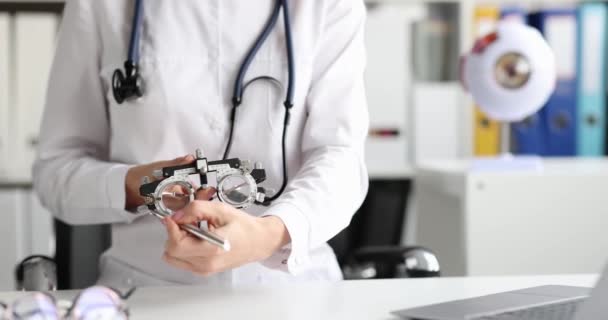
x: 426, y: 134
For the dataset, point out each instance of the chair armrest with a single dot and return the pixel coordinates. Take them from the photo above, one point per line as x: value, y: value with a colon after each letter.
x: 36, y: 273
x: 395, y: 262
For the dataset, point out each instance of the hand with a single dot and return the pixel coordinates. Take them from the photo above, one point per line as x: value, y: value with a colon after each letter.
x: 135, y: 174
x: 251, y: 238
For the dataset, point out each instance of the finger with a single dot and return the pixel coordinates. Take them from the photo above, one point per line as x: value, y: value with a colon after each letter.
x: 152, y: 167
x: 183, y: 245
x: 175, y: 234
x: 179, y: 243
x: 205, y: 194
x: 184, y: 160
x: 201, y: 193
x: 201, y: 210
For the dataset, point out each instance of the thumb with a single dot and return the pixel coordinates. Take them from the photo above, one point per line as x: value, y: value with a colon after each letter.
x: 171, y: 163
x: 198, y: 211
x: 175, y: 162
x: 182, y: 160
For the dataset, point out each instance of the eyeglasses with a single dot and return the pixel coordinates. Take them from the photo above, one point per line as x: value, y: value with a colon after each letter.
x: 99, y: 303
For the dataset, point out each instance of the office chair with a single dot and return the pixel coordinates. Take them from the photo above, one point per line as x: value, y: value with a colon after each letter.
x: 75, y: 265
x: 370, y: 247
x: 76, y: 261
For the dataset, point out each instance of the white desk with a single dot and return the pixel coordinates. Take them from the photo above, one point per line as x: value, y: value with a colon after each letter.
x: 514, y: 223
x: 350, y: 300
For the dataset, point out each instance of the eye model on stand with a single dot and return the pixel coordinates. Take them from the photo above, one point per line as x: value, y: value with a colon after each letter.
x: 510, y: 73
x: 237, y: 185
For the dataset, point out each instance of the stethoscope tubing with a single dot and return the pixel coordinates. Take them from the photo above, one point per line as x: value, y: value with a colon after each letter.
x: 291, y: 65
x: 132, y: 64
x: 136, y: 32
x: 239, y: 84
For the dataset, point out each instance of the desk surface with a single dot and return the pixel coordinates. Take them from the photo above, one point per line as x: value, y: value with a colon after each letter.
x: 344, y: 300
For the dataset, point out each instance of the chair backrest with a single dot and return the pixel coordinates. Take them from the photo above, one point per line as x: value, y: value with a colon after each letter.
x: 379, y: 221
x: 77, y: 253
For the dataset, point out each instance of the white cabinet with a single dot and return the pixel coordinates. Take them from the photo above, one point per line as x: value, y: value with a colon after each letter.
x: 34, y: 48
x: 25, y: 229
x: 436, y: 123
x: 4, y: 93
x: 388, y: 83
x: 511, y: 223
x: 12, y: 245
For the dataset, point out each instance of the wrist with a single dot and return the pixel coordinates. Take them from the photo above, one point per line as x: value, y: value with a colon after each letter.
x: 116, y: 186
x: 276, y: 233
x: 132, y: 199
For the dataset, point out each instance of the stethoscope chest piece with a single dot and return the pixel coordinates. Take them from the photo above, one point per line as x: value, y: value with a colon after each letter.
x: 129, y: 86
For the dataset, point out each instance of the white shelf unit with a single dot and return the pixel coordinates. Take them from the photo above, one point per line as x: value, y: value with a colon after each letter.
x: 431, y: 131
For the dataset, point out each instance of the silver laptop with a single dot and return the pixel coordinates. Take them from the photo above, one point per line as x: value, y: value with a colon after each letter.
x: 539, y: 303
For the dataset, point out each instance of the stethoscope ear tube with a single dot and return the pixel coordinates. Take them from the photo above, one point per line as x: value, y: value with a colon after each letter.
x: 239, y: 83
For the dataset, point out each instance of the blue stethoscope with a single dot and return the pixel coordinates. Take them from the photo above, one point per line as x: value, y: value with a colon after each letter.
x: 127, y: 84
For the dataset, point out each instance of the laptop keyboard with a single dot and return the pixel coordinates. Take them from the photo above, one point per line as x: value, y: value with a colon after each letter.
x: 555, y: 311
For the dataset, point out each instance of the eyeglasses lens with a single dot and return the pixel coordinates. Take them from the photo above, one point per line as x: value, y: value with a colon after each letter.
x: 99, y: 303
x: 35, y: 306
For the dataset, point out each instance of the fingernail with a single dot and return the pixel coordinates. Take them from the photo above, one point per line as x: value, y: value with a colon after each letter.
x: 177, y: 215
x: 164, y: 221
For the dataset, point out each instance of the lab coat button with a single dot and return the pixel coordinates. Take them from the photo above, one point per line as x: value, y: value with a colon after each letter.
x: 284, y: 261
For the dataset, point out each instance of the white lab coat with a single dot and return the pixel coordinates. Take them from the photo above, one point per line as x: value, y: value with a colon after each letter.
x: 190, y: 52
